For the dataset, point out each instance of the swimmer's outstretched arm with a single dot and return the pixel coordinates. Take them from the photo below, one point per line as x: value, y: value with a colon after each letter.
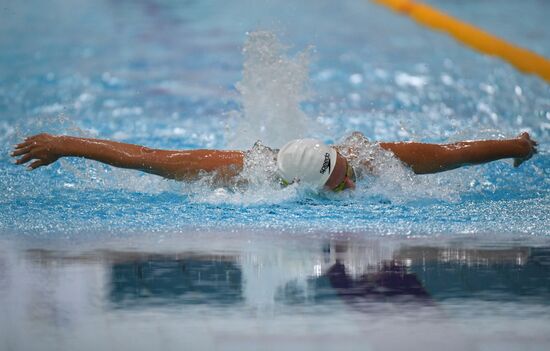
x: 45, y: 149
x: 433, y: 158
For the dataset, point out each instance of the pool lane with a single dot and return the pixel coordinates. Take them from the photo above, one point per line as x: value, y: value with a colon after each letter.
x: 524, y: 60
x: 126, y: 78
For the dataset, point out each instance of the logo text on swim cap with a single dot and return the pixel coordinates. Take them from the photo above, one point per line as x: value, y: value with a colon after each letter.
x: 326, y: 164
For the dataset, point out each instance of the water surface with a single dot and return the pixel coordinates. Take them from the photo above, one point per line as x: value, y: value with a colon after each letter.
x: 93, y: 257
x: 271, y: 290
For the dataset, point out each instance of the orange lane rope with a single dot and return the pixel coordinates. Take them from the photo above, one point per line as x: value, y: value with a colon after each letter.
x: 524, y: 60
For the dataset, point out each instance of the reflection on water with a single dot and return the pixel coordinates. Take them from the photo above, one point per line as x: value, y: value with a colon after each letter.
x: 254, y: 288
x: 500, y: 275
x: 144, y: 279
x: 414, y: 274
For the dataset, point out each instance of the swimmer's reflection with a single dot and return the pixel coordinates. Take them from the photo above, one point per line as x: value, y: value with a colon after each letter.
x: 157, y: 279
x: 419, y: 275
x: 391, y: 282
x: 359, y: 280
x: 145, y: 279
x: 428, y: 274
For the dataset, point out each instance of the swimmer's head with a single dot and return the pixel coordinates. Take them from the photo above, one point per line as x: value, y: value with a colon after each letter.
x: 310, y: 161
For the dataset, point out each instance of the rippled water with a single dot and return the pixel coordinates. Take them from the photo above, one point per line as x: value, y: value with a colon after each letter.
x: 94, y: 256
x: 174, y: 76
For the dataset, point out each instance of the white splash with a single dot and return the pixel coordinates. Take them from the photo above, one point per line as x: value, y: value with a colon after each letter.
x: 387, y: 177
x: 257, y: 183
x: 272, y: 88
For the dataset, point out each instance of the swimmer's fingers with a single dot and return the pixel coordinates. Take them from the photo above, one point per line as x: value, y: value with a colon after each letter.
x: 23, y: 147
x: 519, y: 160
x: 21, y: 151
x: 24, y: 144
x: 35, y: 137
x: 535, y: 144
x: 531, y: 144
x: 34, y: 140
x: 26, y: 158
x: 527, y: 137
x: 36, y: 164
x: 40, y: 147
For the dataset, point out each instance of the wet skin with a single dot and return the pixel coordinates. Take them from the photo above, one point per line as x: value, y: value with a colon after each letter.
x: 339, y: 175
x: 44, y: 149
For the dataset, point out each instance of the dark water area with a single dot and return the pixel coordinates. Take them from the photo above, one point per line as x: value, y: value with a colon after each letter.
x: 249, y: 291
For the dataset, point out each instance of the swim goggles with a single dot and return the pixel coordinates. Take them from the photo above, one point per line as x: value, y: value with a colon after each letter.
x: 350, y: 175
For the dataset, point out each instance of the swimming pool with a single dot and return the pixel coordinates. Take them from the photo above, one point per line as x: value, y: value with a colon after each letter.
x: 175, y: 75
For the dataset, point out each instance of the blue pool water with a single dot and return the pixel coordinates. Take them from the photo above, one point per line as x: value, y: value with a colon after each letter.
x: 166, y: 75
x: 214, y: 74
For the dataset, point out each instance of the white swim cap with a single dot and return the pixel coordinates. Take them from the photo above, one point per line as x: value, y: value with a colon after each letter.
x: 306, y: 160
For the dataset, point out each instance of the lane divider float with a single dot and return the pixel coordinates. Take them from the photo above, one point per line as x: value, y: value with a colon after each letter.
x: 524, y: 60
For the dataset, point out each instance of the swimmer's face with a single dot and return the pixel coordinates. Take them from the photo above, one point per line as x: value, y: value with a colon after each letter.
x: 342, y: 177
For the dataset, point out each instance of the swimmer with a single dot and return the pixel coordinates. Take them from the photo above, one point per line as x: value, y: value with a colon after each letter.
x: 307, y: 161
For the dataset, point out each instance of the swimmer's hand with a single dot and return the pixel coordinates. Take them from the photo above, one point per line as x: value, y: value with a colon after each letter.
x: 43, y: 148
x: 530, y: 147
